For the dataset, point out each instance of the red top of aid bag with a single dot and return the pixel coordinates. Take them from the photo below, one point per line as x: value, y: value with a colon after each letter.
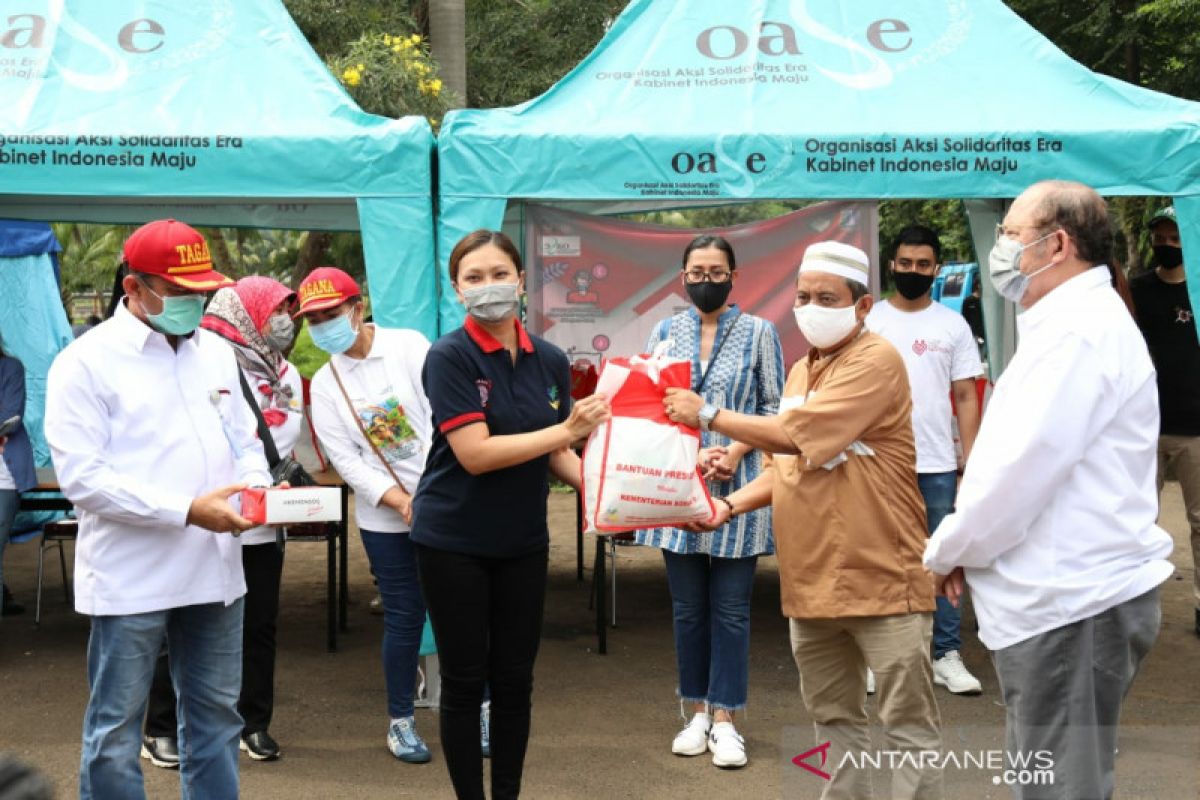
x: 639, y: 468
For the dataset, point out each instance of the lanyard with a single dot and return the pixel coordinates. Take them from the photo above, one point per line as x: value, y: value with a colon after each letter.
x: 712, y: 357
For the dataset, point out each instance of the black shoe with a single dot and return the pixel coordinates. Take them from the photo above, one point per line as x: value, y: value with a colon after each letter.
x: 11, y: 607
x: 260, y: 746
x: 161, y: 751
x: 1198, y: 621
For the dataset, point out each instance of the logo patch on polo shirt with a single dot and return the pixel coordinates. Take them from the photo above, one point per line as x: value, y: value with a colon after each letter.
x: 555, y: 400
x: 485, y: 391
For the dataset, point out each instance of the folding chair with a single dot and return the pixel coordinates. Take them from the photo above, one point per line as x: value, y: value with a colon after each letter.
x: 606, y: 546
x: 54, y: 534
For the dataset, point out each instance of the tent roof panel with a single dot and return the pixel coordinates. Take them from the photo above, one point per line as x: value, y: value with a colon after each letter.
x: 771, y: 98
x: 158, y: 98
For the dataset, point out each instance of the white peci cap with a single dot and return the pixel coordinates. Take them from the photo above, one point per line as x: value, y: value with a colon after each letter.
x: 837, y: 258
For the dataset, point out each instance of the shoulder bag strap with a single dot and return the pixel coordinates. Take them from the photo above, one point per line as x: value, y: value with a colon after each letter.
x: 264, y: 431
x: 712, y: 357
x: 362, y: 429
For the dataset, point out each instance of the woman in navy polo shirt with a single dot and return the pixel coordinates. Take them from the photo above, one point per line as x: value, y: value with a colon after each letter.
x: 502, y: 422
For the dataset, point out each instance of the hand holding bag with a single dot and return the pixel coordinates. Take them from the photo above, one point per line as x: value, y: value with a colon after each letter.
x: 639, y: 468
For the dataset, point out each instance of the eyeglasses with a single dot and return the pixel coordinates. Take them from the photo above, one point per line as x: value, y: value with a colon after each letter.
x: 700, y: 276
x: 1014, y: 231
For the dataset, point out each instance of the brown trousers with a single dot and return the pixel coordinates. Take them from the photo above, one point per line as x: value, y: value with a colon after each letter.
x: 1183, y: 453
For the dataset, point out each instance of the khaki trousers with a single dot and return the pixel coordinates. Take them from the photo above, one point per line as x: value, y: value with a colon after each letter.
x: 832, y: 656
x: 1183, y: 453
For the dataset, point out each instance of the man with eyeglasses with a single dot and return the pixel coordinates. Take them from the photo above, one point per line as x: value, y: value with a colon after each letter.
x: 942, y: 360
x: 1055, y: 527
x: 152, y: 441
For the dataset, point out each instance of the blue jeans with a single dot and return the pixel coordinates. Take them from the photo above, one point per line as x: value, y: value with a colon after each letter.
x: 710, y: 598
x: 205, y: 646
x: 939, y: 490
x: 8, y: 510
x: 394, y: 565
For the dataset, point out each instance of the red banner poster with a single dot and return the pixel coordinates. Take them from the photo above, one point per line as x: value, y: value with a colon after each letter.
x: 598, y: 285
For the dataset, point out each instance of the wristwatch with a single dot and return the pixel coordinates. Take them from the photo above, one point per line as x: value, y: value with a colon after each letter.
x: 707, y: 414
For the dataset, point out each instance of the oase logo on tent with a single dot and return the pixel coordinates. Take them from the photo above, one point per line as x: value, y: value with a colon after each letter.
x: 25, y: 31
x: 776, y: 38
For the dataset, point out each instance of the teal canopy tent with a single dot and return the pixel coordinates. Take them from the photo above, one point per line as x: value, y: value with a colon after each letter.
x: 217, y: 113
x: 689, y: 101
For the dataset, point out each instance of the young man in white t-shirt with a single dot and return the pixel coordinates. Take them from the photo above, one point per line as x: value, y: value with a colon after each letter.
x: 942, y: 358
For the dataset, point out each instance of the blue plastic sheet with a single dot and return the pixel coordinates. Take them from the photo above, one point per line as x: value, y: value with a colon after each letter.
x: 34, y: 328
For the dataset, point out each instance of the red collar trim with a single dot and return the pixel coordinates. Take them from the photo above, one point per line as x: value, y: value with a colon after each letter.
x: 490, y: 344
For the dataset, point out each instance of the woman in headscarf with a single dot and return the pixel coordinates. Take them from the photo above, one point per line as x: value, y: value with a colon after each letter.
x: 254, y: 316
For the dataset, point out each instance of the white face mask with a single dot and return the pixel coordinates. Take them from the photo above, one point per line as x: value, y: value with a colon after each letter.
x: 824, y: 327
x: 1004, y: 267
x: 493, y: 302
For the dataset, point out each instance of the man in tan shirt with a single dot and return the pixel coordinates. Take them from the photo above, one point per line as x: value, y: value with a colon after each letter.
x: 849, y: 527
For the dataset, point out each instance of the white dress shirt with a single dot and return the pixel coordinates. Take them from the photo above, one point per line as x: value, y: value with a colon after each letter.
x: 137, y: 431
x: 385, y: 389
x: 1056, y: 513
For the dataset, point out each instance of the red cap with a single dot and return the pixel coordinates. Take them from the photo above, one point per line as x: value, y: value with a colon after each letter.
x: 175, y: 252
x: 325, y: 287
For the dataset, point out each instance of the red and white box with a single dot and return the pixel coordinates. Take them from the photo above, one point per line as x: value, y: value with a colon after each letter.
x: 279, y: 506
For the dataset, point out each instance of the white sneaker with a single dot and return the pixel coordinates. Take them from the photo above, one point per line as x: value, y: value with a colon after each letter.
x: 693, y: 739
x: 870, y: 681
x: 949, y: 671
x: 728, y: 748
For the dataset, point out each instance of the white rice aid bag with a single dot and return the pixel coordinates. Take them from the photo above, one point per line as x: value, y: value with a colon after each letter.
x: 639, y: 468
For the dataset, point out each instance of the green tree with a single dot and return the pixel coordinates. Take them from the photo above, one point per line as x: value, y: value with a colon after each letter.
x: 378, y: 53
x: 331, y: 25
x: 238, y: 252
x: 89, y: 257
x: 392, y: 75
x: 516, y: 49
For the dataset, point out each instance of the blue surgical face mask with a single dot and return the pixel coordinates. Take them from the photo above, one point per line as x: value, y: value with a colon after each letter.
x: 334, y: 336
x: 180, y: 315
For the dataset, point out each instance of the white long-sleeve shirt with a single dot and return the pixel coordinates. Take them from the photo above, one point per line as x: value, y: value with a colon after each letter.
x: 137, y: 431
x: 385, y: 389
x: 1056, y: 512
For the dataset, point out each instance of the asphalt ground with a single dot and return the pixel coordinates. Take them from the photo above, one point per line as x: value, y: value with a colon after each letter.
x: 602, y: 725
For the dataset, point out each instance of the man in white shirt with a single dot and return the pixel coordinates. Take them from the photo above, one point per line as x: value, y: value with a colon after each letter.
x: 1055, y: 528
x: 152, y: 440
x: 941, y: 357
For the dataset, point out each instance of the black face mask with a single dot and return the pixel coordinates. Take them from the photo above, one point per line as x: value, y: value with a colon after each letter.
x: 709, y: 296
x: 912, y: 284
x: 1168, y: 256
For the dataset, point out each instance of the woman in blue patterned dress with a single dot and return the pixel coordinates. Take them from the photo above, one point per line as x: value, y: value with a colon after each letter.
x: 737, y: 363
